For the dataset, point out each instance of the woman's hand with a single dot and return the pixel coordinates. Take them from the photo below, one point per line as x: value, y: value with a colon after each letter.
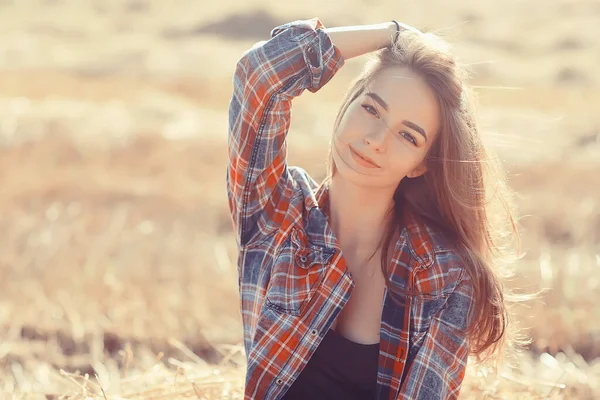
x: 406, y: 27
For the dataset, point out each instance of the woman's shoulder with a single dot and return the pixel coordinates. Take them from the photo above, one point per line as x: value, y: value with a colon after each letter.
x: 428, y: 238
x: 439, y: 265
x: 302, y: 176
x: 303, y: 189
x: 303, y: 183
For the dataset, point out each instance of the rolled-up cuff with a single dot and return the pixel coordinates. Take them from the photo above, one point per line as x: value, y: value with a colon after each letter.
x: 322, y: 58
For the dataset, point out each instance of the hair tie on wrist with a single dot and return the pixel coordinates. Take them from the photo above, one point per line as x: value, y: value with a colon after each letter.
x: 397, y: 31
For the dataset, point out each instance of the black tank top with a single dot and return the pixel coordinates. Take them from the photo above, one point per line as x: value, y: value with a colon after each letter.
x: 339, y: 369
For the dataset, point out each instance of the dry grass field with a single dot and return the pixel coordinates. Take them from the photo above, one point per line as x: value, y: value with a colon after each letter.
x: 117, y: 261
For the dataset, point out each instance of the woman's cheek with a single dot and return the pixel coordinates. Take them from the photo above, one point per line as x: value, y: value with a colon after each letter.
x: 344, y: 132
x: 354, y: 128
x: 402, y: 159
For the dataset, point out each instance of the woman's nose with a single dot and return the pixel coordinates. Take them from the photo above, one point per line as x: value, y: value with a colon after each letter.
x: 376, y: 138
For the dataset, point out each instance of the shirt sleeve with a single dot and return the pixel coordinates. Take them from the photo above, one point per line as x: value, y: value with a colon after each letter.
x: 439, y: 367
x: 299, y: 56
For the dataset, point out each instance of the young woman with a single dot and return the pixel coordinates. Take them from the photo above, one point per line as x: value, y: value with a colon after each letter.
x: 379, y: 282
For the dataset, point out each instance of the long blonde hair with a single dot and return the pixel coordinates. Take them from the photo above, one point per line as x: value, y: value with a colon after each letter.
x: 461, y: 187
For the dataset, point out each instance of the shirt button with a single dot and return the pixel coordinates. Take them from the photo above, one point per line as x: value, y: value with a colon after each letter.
x: 279, y: 381
x: 303, y: 259
x: 314, y: 332
x: 311, y: 50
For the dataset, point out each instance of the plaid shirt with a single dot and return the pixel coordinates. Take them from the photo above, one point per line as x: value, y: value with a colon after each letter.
x: 293, y: 278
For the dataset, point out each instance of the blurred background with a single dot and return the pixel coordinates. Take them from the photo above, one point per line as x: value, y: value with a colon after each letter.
x: 118, y: 265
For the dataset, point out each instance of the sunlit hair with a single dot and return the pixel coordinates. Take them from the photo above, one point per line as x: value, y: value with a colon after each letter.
x: 463, y: 192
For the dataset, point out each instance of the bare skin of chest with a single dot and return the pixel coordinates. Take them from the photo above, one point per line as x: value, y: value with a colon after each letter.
x: 360, y: 320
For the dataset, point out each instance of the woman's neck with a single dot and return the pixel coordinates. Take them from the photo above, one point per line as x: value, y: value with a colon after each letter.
x: 358, y: 215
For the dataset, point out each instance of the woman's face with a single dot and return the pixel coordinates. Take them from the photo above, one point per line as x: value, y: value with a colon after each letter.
x: 394, y: 123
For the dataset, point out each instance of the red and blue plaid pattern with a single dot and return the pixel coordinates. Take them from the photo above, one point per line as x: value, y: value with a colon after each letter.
x: 293, y: 278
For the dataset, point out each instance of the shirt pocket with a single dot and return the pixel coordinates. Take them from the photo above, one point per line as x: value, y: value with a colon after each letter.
x: 298, y: 269
x: 424, y: 308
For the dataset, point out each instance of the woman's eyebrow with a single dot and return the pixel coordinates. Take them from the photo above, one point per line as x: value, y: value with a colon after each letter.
x: 378, y: 100
x: 416, y: 127
x: 384, y: 105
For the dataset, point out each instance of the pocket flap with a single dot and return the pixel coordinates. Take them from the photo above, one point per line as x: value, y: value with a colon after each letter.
x: 306, y: 254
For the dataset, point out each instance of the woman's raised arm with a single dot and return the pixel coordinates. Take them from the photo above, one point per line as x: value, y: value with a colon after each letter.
x: 300, y: 55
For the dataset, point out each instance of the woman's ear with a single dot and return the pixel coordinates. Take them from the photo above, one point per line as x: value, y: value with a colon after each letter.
x: 418, y: 171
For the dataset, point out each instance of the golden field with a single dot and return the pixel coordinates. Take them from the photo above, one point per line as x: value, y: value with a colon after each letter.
x: 118, y: 265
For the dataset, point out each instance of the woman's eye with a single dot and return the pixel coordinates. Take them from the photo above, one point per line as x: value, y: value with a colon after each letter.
x: 369, y: 109
x: 409, y: 137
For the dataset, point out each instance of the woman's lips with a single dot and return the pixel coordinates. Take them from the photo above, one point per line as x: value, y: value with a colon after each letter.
x: 361, y: 161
